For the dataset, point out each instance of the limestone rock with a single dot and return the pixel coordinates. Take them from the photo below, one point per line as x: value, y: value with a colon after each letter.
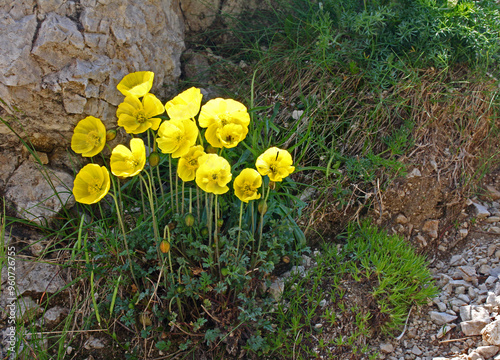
x: 441, y: 318
x: 61, y: 61
x: 492, y: 193
x: 474, y: 312
x: 473, y: 327
x: 491, y: 333
x: 31, y: 277
x: 386, y: 348
x: 487, y: 351
x: 54, y: 315
x: 480, y: 211
x: 34, y: 196
x: 431, y: 228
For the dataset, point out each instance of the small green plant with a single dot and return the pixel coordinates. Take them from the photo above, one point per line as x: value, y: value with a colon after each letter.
x: 401, y: 278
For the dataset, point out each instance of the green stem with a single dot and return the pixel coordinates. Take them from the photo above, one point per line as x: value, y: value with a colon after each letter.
x: 171, y: 183
x: 216, y: 232
x: 239, y: 231
x: 149, y: 190
x: 122, y: 226
x: 261, y: 225
x: 182, y: 198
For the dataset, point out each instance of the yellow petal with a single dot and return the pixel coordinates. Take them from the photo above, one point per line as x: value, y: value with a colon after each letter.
x: 138, y: 83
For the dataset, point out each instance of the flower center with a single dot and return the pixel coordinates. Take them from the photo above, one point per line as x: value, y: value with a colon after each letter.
x: 93, y: 138
x: 224, y: 119
x: 273, y: 167
x: 132, y: 163
x: 214, y: 177
x: 248, y: 190
x: 193, y: 162
x: 141, y: 118
x: 94, y: 187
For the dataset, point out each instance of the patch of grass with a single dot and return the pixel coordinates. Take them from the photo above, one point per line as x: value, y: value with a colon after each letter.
x: 368, y: 287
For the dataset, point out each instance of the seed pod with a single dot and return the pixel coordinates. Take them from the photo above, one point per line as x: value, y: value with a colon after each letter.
x: 110, y: 134
x: 272, y: 185
x: 262, y: 207
x: 154, y: 159
x: 285, y: 259
x: 164, y: 246
x: 189, y: 219
x: 204, y: 232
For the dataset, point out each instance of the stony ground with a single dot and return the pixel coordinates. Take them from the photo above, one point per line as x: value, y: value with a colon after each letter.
x: 463, y: 322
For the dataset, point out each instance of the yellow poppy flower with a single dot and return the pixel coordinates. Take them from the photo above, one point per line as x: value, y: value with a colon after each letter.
x: 247, y: 184
x: 186, y: 105
x: 221, y: 112
x: 138, y: 83
x: 89, y: 137
x: 136, y: 116
x: 227, y: 136
x: 276, y: 163
x: 188, y: 164
x: 126, y: 162
x: 91, y: 184
x: 213, y: 174
x: 177, y: 136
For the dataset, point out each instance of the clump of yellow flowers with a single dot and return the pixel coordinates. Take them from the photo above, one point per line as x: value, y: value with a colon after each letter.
x: 180, y: 134
x: 226, y: 122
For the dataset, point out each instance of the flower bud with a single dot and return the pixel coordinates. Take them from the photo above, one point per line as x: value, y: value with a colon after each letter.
x: 272, y: 185
x: 189, y: 219
x: 285, y: 259
x: 220, y: 222
x: 110, y: 134
x: 164, y: 246
x: 262, y: 207
x: 204, y: 232
x: 154, y: 159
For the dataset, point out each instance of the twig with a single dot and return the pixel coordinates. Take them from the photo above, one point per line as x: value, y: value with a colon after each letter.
x: 452, y: 340
x: 406, y: 323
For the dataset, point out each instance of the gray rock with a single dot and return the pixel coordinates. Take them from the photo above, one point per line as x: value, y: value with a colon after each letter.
x: 491, y: 333
x: 474, y: 356
x: 276, y: 289
x: 26, y: 309
x: 487, y: 351
x: 414, y: 173
x: 492, y: 192
x: 31, y: 189
x: 441, y: 318
x: 416, y: 350
x: 386, y: 348
x: 32, y: 278
x: 61, y: 61
x: 54, y: 315
x: 94, y: 343
x: 473, y: 327
x: 468, y: 272
x: 480, y: 211
x: 431, y: 227
x: 443, y: 330
x: 401, y: 219
x: 474, y: 312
